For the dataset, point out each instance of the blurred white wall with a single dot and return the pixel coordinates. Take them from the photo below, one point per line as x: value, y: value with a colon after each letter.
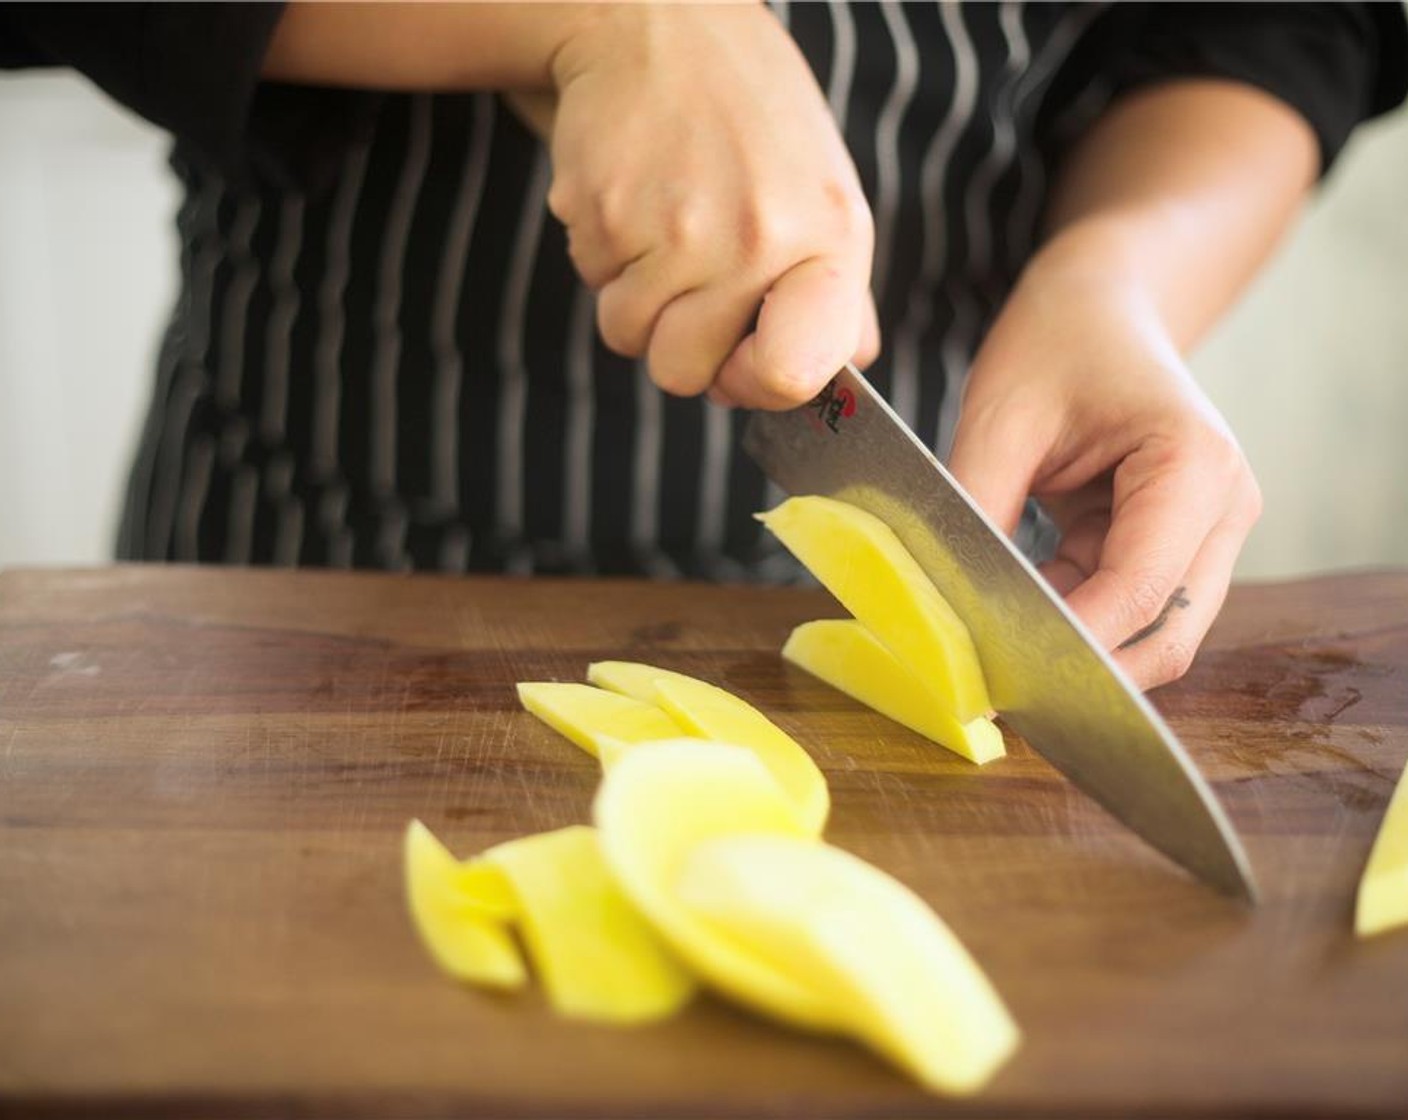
x: 87, y: 260
x: 1312, y: 370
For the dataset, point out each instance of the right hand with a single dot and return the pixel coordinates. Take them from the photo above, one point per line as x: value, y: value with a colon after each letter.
x: 710, y: 201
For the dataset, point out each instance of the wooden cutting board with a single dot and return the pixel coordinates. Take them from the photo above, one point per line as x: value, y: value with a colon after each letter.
x: 204, y: 776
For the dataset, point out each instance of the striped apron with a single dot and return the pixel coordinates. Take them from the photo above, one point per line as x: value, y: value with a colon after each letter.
x: 402, y: 371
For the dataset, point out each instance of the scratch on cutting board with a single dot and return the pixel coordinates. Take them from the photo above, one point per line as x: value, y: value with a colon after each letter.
x: 10, y: 745
x: 72, y: 662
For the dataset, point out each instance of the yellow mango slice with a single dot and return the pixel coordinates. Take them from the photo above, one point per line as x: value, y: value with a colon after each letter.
x: 629, y: 678
x: 487, y: 888
x: 655, y: 805
x: 902, y: 981
x: 595, y: 954
x: 586, y: 715
x: 858, y: 558
x: 716, y: 714
x: 848, y: 657
x: 1383, y: 891
x: 461, y: 932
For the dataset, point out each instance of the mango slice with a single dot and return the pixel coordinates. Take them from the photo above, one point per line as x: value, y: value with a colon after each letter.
x: 657, y: 804
x: 629, y: 678
x: 587, y: 715
x: 1382, y: 902
x: 487, y: 888
x: 716, y: 714
x: 893, y: 972
x: 463, y: 933
x: 858, y: 558
x: 848, y: 657
x: 596, y: 956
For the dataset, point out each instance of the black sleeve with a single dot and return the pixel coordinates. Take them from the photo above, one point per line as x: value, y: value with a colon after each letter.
x: 1337, y: 64
x: 193, y: 69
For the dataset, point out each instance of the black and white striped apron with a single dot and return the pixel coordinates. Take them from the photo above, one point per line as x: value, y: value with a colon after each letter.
x: 402, y: 371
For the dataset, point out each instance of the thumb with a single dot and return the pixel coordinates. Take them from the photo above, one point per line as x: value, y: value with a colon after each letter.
x: 811, y: 324
x: 995, y: 464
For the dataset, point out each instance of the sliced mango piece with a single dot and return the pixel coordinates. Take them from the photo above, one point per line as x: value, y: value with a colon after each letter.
x: 858, y: 558
x: 488, y: 888
x: 586, y: 715
x: 466, y: 939
x: 595, y: 954
x: 716, y: 714
x: 1383, y: 891
x: 895, y: 973
x: 629, y: 678
x: 848, y: 657
x: 655, y: 805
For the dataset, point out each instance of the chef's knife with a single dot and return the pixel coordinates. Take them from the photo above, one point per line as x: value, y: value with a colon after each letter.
x: 1047, y: 677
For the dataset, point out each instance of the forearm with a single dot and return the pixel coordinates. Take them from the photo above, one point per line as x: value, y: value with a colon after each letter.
x: 1178, y: 194
x: 423, y: 45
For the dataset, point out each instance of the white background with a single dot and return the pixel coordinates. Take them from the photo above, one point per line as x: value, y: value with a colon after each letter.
x: 1311, y: 370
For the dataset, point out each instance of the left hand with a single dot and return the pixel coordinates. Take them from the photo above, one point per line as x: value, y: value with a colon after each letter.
x: 1078, y: 397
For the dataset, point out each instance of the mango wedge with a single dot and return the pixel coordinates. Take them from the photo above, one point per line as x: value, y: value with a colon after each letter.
x: 894, y: 974
x: 587, y: 715
x: 487, y: 888
x: 460, y: 930
x: 848, y: 657
x: 713, y: 713
x: 654, y: 807
x: 629, y: 678
x: 858, y: 558
x: 596, y: 956
x: 1382, y: 902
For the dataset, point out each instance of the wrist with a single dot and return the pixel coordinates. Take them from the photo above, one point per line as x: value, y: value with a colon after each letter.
x: 395, y: 46
x: 1125, y: 260
x: 633, y: 35
x: 1099, y: 254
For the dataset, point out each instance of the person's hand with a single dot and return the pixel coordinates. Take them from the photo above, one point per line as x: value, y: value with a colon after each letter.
x: 711, y: 202
x: 1079, y: 398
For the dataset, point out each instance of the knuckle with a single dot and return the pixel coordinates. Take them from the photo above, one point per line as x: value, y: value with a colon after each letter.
x: 1227, y: 458
x: 1220, y: 456
x: 688, y: 225
x: 786, y: 383
x: 1144, y: 597
x: 1231, y: 469
x: 868, y: 350
x: 1253, y: 502
x: 563, y: 200
x: 1175, y: 659
x: 764, y: 232
x: 593, y: 276
x: 623, y: 326
x: 680, y: 379
x: 615, y: 213
x: 1247, y: 501
x: 849, y: 214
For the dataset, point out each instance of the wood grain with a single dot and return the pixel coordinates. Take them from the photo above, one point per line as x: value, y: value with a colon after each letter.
x: 204, y: 776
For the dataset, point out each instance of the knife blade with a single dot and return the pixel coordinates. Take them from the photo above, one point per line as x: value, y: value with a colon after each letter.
x: 1047, y: 677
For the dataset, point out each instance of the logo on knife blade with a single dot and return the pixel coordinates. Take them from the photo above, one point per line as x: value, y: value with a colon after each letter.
x: 833, y: 404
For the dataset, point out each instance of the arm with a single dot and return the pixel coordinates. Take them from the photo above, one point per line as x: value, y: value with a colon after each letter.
x: 1186, y: 188
x: 733, y: 254
x: 399, y: 46
x: 1079, y: 396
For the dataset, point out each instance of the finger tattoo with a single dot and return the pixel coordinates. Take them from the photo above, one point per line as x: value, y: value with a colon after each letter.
x: 1179, y: 599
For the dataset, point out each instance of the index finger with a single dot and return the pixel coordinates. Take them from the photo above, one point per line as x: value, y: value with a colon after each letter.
x: 1165, y: 506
